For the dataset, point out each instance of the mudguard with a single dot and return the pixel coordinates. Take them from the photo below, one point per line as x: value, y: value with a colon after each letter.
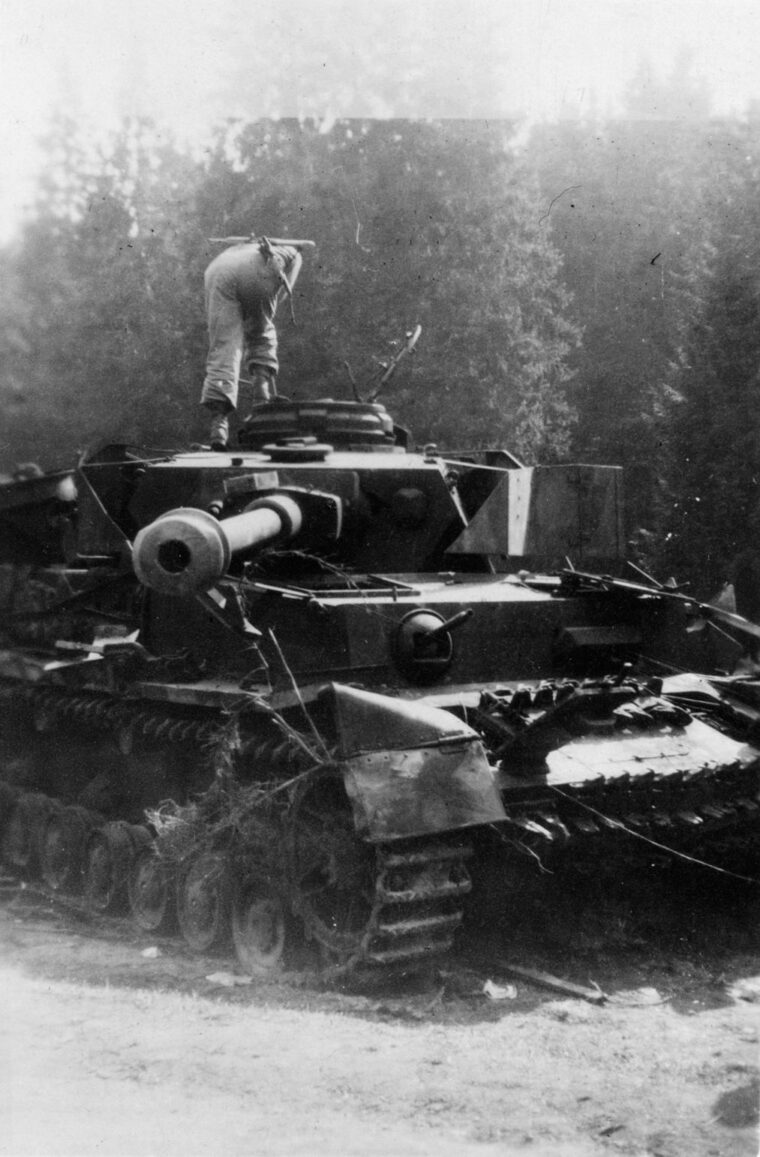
x: 410, y: 769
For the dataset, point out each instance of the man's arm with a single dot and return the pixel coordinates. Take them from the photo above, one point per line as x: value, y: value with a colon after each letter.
x: 292, y: 268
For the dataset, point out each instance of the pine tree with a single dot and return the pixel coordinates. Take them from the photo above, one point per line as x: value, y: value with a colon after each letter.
x: 107, y: 320
x: 627, y: 203
x: 715, y: 441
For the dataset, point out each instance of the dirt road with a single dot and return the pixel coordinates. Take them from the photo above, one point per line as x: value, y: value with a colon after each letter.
x: 110, y: 1047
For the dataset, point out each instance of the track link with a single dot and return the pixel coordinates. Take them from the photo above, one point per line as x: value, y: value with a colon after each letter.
x: 419, y: 903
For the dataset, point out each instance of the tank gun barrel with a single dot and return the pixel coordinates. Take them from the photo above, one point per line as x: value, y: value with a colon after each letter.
x: 185, y: 551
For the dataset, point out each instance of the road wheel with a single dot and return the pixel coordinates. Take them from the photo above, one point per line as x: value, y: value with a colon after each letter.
x: 108, y: 859
x: 150, y: 890
x: 203, y: 902
x: 334, y: 873
x: 259, y: 928
x: 9, y: 797
x: 64, y: 842
x: 24, y: 832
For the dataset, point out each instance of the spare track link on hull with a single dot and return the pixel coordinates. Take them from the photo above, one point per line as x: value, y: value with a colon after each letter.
x: 130, y: 721
x: 99, y: 711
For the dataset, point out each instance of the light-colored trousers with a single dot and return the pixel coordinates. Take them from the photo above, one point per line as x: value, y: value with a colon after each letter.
x: 242, y: 289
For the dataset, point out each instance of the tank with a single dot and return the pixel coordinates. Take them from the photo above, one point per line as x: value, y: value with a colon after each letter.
x: 298, y: 692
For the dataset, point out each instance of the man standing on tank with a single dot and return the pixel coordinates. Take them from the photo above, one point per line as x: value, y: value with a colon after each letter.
x: 243, y: 285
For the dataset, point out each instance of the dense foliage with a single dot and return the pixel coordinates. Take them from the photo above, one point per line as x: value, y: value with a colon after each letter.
x: 659, y: 229
x: 590, y: 292
x: 433, y: 224
x: 714, y: 436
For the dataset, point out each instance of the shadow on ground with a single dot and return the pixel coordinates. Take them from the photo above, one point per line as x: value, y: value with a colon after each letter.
x: 654, y: 933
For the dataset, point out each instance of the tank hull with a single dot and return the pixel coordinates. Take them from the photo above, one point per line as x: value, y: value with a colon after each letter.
x: 296, y: 692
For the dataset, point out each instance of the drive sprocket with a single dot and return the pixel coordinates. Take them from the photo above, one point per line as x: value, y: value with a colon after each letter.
x: 370, y: 904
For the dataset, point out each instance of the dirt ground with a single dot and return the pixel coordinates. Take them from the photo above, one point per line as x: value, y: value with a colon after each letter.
x: 121, y: 1046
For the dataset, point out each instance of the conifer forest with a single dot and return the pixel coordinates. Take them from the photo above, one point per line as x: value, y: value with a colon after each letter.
x: 588, y: 290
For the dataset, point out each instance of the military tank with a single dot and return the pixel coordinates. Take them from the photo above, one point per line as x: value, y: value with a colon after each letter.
x: 292, y: 690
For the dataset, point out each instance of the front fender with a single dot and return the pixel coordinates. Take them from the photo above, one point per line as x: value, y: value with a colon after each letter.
x: 411, y: 769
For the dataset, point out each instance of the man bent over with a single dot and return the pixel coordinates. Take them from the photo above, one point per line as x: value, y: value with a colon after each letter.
x: 243, y: 285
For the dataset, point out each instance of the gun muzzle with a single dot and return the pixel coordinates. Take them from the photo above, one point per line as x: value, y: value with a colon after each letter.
x: 186, y: 551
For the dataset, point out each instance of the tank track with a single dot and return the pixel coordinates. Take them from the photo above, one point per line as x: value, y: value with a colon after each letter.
x: 418, y: 893
x: 417, y: 907
x: 417, y: 887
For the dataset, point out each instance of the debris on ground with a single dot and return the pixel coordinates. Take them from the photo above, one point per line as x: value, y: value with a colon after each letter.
x: 499, y: 991
x: 748, y: 988
x: 546, y: 980
x: 637, y: 998
x: 227, y: 979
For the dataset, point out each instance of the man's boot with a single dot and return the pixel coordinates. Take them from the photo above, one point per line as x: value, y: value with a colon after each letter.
x: 219, y: 434
x: 219, y: 431
x: 262, y: 382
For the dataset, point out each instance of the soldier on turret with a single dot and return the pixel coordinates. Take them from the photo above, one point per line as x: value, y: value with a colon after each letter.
x: 243, y: 286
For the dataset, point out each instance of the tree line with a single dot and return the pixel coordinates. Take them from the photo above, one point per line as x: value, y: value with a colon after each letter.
x: 586, y: 292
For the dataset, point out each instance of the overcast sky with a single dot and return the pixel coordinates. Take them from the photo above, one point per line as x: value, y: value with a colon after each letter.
x: 169, y: 58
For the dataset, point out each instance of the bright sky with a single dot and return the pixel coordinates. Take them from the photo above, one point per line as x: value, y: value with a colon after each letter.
x: 166, y: 57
